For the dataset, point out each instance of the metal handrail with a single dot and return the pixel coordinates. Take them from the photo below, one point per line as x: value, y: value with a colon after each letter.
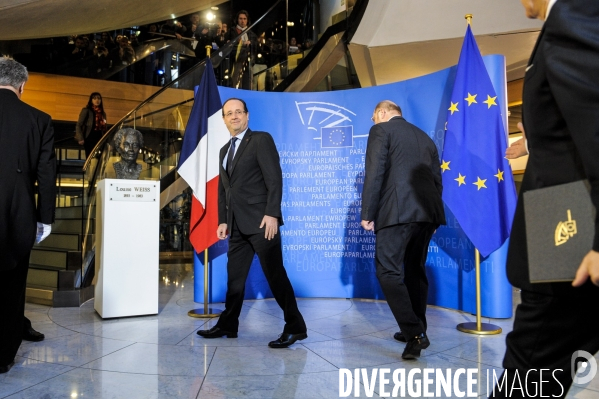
x: 215, y: 57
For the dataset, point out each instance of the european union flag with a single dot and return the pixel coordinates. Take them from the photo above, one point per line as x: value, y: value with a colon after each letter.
x: 478, y: 185
x: 337, y: 136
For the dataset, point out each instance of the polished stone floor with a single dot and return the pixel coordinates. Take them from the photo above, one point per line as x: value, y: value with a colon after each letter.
x: 161, y: 356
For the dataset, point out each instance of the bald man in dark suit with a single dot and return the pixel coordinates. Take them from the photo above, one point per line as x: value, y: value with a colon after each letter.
x: 401, y: 202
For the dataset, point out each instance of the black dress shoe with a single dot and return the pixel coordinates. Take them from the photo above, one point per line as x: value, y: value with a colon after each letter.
x: 286, y: 339
x: 399, y: 337
x: 414, y: 346
x: 29, y: 334
x: 4, y: 369
x: 216, y: 332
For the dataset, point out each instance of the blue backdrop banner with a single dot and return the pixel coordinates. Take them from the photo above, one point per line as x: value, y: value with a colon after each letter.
x: 321, y: 138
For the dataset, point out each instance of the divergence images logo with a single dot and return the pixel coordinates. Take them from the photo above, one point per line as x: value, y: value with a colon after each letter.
x: 583, y: 371
x: 334, y: 121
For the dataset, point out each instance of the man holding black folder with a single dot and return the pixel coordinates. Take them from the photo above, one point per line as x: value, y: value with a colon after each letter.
x: 560, y: 113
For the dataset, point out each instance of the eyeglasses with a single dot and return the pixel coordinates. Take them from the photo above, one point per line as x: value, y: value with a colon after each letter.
x: 237, y: 112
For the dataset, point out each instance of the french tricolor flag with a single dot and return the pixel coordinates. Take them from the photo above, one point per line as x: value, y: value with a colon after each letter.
x: 205, y: 134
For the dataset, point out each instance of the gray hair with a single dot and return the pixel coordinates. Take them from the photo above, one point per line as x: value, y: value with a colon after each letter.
x: 120, y: 135
x: 12, y: 73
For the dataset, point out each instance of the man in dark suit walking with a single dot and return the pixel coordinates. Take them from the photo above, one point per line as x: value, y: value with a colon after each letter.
x: 560, y: 108
x: 249, y: 209
x: 26, y: 157
x: 401, y: 202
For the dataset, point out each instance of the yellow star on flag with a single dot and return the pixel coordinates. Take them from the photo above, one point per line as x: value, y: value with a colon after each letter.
x: 461, y: 179
x: 445, y: 166
x: 499, y: 175
x: 480, y: 183
x: 490, y: 101
x: 453, y: 108
x: 471, y: 99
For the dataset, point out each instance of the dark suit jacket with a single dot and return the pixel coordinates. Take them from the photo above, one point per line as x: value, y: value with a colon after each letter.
x: 26, y: 156
x: 255, y: 187
x: 403, y: 176
x: 561, y: 117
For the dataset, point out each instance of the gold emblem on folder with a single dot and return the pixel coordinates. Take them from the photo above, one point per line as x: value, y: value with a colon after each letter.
x: 565, y: 230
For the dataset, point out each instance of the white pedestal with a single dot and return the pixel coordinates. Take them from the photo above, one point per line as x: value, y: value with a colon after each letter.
x: 127, y: 238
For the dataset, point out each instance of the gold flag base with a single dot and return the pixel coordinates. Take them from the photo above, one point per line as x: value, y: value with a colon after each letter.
x: 485, y: 328
x: 204, y: 313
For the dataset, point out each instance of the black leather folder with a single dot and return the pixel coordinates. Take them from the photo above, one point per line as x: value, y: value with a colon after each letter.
x: 560, y: 226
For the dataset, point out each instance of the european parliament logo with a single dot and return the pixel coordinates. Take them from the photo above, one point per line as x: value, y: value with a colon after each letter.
x: 334, y: 121
x: 339, y: 136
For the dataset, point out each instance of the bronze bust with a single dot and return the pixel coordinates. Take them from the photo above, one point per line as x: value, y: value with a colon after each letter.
x: 128, y: 142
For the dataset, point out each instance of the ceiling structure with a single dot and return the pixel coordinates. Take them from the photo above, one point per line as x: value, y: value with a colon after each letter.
x: 36, y: 19
x: 402, y: 39
x: 396, y: 39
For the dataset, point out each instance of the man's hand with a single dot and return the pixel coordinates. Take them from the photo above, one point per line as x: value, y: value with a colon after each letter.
x: 516, y: 150
x: 518, y: 147
x: 221, y: 232
x: 588, y: 268
x: 81, y: 142
x: 272, y: 226
x: 535, y: 8
x: 43, y: 231
x: 367, y: 225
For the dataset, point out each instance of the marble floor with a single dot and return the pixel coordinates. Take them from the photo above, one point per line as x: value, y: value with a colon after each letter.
x: 161, y: 356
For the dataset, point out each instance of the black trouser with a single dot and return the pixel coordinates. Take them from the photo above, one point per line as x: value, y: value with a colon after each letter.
x: 548, y: 329
x: 401, y: 252
x: 12, y: 308
x: 242, y: 248
x: 91, y: 140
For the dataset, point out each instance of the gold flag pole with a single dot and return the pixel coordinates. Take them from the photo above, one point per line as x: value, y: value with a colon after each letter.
x: 479, y: 327
x: 206, y: 312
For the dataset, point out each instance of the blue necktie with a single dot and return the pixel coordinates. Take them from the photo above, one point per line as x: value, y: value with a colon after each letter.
x: 231, y: 155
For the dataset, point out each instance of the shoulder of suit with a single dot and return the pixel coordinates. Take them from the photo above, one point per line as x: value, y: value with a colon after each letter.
x: 38, y: 114
x: 403, y: 124
x: 258, y: 133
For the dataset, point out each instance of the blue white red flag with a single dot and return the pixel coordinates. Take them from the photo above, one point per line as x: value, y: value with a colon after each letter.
x: 205, y: 134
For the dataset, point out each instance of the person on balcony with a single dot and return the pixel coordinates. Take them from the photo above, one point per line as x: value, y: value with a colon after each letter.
x: 242, y: 56
x: 91, y: 125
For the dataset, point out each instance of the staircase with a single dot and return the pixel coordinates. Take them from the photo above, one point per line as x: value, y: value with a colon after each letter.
x: 55, y: 264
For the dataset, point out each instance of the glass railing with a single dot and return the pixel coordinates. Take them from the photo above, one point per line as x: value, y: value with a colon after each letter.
x: 161, y: 119
x: 268, y: 79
